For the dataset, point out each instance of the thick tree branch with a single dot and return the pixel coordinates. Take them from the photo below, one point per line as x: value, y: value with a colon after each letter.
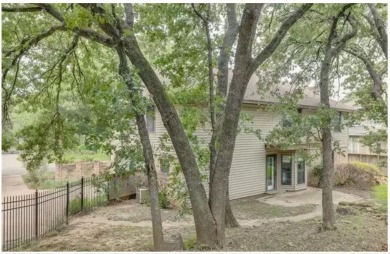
x: 129, y: 15
x: 377, y: 85
x: 226, y: 48
x: 87, y: 33
x: 95, y: 36
x: 52, y: 11
x: 278, y: 37
x: 106, y: 26
x: 29, y: 44
x: 381, y: 28
x: 21, y: 9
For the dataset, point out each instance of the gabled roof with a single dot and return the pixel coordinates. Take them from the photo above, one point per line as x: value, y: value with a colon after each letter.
x: 252, y: 95
x: 310, y: 100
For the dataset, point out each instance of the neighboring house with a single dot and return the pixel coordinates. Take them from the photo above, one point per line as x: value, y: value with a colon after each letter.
x: 248, y: 174
x: 358, y: 152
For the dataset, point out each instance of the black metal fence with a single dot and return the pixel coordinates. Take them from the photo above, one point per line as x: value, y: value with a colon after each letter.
x: 29, y: 217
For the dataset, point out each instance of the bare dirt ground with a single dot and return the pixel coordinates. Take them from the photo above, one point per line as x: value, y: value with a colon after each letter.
x: 126, y: 226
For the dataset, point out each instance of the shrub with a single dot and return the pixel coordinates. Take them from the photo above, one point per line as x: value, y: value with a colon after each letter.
x: 37, y: 176
x: 163, y: 199
x: 359, y: 175
x: 315, y: 176
x: 178, y: 192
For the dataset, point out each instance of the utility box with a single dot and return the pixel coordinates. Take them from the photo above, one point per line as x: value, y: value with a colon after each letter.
x: 142, y: 195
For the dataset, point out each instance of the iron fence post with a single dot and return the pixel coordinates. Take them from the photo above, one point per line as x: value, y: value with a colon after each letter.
x: 82, y: 193
x: 67, y: 203
x: 36, y: 214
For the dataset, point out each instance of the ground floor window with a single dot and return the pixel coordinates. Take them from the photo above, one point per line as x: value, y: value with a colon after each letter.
x: 301, y: 171
x: 286, y: 169
x: 164, y: 166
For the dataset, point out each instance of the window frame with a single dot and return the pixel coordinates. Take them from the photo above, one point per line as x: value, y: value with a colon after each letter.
x: 287, y: 120
x: 353, y: 144
x: 299, y: 161
x: 337, y: 122
x: 164, y: 166
x: 290, y: 182
x: 150, y: 117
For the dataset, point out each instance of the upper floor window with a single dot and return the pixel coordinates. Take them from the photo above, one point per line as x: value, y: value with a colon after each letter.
x: 287, y: 120
x: 337, y: 122
x: 150, y: 119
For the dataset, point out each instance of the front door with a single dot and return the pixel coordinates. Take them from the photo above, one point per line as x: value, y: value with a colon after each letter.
x: 271, y: 171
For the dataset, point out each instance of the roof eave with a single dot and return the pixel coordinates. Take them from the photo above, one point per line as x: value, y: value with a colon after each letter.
x: 256, y: 102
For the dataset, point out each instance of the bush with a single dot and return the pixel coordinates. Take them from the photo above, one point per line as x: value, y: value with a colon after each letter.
x: 37, y: 176
x: 359, y: 175
x: 163, y: 199
x: 315, y: 176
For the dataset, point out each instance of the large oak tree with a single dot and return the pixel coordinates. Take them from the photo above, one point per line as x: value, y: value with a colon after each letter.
x: 112, y: 25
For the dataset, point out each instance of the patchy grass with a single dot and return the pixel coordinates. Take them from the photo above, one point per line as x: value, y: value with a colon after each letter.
x: 253, y: 209
x: 380, y: 194
x: 190, y: 242
x: 97, y: 237
x: 355, y: 233
x: 131, y: 230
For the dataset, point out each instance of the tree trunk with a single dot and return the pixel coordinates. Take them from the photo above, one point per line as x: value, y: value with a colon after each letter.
x: 205, y: 224
x: 230, y: 220
x: 158, y: 236
x: 381, y: 27
x: 222, y: 80
x: 328, y: 216
x: 210, y: 220
x: 328, y: 213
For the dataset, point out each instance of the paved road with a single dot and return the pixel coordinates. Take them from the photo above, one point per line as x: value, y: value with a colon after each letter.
x: 11, y: 172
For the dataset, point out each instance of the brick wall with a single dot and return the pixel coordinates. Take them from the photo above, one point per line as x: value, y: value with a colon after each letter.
x: 74, y: 171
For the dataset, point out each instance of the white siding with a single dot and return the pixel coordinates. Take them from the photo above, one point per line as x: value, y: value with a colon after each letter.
x: 247, y: 174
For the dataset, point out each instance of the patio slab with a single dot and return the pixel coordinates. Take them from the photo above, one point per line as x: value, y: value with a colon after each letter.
x: 309, y: 196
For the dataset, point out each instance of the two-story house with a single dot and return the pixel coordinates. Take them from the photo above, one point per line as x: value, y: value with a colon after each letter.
x: 248, y: 175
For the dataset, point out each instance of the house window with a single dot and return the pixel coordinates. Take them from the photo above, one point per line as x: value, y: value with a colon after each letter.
x: 287, y: 120
x: 286, y: 169
x: 378, y: 147
x: 337, y: 122
x: 301, y: 171
x: 164, y: 166
x: 353, y: 144
x: 150, y: 123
